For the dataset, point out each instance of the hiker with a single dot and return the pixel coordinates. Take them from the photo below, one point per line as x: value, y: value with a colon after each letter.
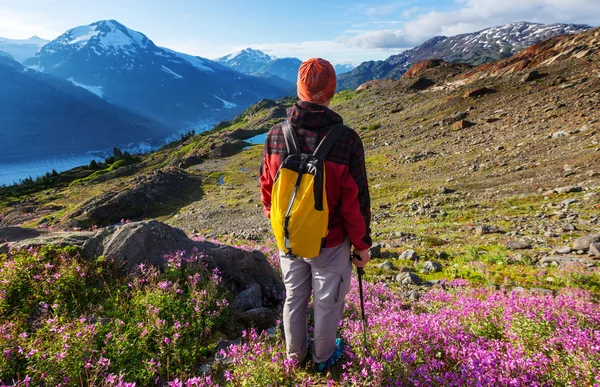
x: 327, y: 271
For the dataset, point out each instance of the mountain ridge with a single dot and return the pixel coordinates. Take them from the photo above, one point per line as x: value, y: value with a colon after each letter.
x: 474, y: 48
x: 61, y: 117
x: 173, y: 88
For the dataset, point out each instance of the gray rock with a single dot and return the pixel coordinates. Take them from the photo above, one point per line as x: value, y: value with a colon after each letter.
x: 442, y: 255
x: 224, y: 346
x: 19, y: 237
x: 595, y: 249
x: 487, y: 229
x: 409, y: 279
x: 406, y: 269
x: 413, y: 296
x: 259, y: 318
x: 409, y: 254
x: 15, y: 234
x: 568, y: 202
x: 431, y: 267
x: 446, y: 190
x: 148, y: 242
x: 568, y: 189
x: 518, y: 245
x: 584, y: 243
x: 250, y: 298
x: 375, y: 250
x: 563, y: 260
x: 564, y: 250
x: 531, y: 76
x: 206, y: 368
x: 387, y: 265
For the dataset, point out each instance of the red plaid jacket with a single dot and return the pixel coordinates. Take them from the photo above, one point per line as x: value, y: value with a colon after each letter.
x: 346, y: 184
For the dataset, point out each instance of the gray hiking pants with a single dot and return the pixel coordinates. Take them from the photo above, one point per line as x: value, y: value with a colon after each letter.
x: 328, y: 276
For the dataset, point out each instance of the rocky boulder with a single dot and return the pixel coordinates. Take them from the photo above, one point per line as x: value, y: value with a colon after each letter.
x: 409, y: 279
x: 259, y: 318
x: 478, y: 92
x: 595, y: 249
x: 462, y: 124
x: 531, y: 76
x: 147, y: 242
x: 564, y: 260
x: 518, y: 245
x: 421, y: 83
x: 431, y: 267
x: 19, y: 237
x: 386, y: 265
x: 409, y: 254
x: 585, y: 242
x: 250, y: 298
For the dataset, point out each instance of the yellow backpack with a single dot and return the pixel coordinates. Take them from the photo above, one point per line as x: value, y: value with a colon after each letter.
x: 299, y: 211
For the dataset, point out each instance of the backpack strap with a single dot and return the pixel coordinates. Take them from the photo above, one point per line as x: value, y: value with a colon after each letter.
x: 291, y: 142
x: 329, y: 141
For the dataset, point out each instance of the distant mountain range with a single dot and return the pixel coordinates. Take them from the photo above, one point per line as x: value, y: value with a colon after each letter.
x: 22, y: 49
x: 127, y: 69
x: 256, y: 62
x: 474, y: 48
x: 41, y: 114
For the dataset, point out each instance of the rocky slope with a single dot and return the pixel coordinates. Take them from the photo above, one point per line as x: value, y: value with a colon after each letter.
x: 457, y: 157
x: 475, y: 48
x: 126, y: 68
x: 41, y: 115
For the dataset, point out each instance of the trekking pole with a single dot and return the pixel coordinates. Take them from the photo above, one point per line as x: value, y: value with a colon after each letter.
x: 361, y: 272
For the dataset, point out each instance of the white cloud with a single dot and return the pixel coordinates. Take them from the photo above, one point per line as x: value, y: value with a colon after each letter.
x: 475, y: 15
x: 15, y: 25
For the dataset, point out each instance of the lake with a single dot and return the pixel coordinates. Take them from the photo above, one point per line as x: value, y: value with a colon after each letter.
x: 13, y: 170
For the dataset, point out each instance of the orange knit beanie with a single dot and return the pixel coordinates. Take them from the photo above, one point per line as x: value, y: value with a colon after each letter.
x: 316, y: 81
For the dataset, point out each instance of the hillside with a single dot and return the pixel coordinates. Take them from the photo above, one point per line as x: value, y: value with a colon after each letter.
x: 539, y: 133
x: 474, y: 48
x: 485, y: 189
x: 42, y: 115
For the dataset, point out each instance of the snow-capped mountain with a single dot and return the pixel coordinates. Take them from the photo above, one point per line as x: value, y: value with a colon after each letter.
x: 247, y: 61
x: 41, y: 115
x: 474, y: 48
x: 256, y: 62
x: 127, y: 69
x: 22, y: 49
x: 343, y: 67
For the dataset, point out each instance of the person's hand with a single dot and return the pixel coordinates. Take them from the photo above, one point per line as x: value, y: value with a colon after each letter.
x: 364, y: 257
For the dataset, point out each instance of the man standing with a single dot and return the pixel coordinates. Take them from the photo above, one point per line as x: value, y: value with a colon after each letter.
x: 327, y: 275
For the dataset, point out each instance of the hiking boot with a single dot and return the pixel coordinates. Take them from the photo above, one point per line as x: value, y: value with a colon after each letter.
x: 335, y: 356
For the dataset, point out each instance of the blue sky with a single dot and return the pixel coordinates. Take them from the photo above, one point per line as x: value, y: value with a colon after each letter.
x: 334, y: 29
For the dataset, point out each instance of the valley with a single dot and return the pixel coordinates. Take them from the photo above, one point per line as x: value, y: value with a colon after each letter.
x: 485, y: 195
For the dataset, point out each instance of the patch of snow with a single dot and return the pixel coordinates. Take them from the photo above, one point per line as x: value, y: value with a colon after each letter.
x: 226, y: 104
x: 196, y: 61
x: 81, y: 35
x: 93, y: 89
x: 36, y: 68
x: 173, y: 73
